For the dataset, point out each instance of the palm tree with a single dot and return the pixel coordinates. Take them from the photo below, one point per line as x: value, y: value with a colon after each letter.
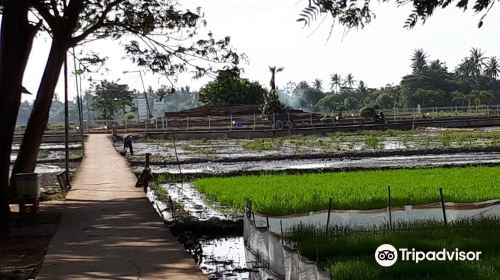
x: 303, y: 85
x: 335, y: 82
x: 362, y: 88
x: 318, y: 84
x: 492, y: 68
x: 466, y: 68
x: 274, y: 70
x: 418, y: 61
x: 349, y: 80
x: 477, y: 60
x: 437, y: 65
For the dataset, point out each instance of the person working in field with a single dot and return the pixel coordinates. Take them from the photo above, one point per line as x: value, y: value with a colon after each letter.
x: 127, y: 144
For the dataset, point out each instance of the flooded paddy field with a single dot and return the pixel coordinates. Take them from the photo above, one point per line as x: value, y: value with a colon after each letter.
x: 364, y: 141
x: 212, y: 232
x: 324, y: 164
x: 50, y: 161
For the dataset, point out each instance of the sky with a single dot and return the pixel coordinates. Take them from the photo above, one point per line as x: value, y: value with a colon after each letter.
x: 267, y: 32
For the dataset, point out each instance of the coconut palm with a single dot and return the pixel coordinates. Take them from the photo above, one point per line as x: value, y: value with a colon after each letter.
x: 418, y: 61
x: 274, y: 70
x: 318, y: 84
x: 477, y: 59
x: 349, y: 81
x: 335, y: 82
x: 362, y: 88
x: 437, y: 65
x: 492, y: 68
x: 466, y: 68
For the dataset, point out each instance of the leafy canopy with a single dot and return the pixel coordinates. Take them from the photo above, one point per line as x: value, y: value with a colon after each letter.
x: 158, y: 35
x: 358, y: 13
x: 230, y: 89
x: 111, y: 98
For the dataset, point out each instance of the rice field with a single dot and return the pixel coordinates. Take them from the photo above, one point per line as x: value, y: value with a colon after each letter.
x: 288, y: 194
x: 350, y: 255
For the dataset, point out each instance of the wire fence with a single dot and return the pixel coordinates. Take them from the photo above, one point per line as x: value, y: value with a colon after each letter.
x: 287, y: 120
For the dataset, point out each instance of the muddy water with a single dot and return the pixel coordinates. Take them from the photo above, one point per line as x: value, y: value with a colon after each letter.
x: 47, y: 146
x: 219, y: 258
x: 329, y: 164
x: 224, y: 258
x: 195, y: 204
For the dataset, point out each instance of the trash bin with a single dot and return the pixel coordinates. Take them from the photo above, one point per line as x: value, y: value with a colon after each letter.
x: 28, y: 185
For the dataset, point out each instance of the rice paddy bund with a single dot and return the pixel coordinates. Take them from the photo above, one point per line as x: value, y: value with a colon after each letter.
x: 288, y: 194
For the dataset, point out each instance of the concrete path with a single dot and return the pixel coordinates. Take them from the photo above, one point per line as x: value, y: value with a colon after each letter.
x: 109, y: 230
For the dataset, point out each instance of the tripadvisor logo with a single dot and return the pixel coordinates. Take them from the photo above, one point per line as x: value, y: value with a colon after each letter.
x: 387, y: 255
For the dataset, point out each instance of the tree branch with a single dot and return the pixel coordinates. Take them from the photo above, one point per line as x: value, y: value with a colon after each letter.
x: 99, y: 24
x: 44, y: 12
x: 54, y: 8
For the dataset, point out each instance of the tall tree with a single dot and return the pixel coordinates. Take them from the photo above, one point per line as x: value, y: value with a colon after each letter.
x: 318, y: 84
x: 274, y: 70
x: 418, y: 61
x: 477, y: 60
x: 466, y: 68
x: 74, y: 22
x: 492, y: 68
x: 335, y: 82
x: 349, y: 80
x: 16, y: 39
x: 230, y: 89
x: 271, y: 104
x: 111, y: 98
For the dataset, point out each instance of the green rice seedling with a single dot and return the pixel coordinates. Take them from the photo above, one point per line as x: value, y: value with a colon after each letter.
x: 373, y: 142
x: 287, y: 194
x: 445, y: 140
x: 350, y: 255
x: 261, y: 144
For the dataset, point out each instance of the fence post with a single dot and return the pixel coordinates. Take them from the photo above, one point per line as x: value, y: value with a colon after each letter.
x: 267, y: 222
x: 209, y: 123
x: 166, y: 123
x: 231, y: 122
x: 172, y: 207
x: 146, y: 163
x: 254, y: 121
x: 310, y: 118
x: 389, y: 202
x: 442, y: 206
x: 146, y: 125
x: 156, y: 124
x: 187, y: 122
x: 281, y: 227
x: 328, y: 217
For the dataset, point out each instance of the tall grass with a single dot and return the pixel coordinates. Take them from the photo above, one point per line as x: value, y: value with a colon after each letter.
x: 287, y: 194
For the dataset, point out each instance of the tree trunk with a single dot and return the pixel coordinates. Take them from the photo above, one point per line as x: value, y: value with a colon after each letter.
x: 16, y: 40
x: 26, y: 159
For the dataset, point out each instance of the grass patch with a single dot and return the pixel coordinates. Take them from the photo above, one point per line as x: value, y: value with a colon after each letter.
x: 263, y: 144
x: 350, y: 255
x: 286, y: 194
x: 160, y: 192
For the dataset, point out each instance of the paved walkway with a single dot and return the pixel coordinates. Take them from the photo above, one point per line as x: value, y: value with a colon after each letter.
x: 109, y: 230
